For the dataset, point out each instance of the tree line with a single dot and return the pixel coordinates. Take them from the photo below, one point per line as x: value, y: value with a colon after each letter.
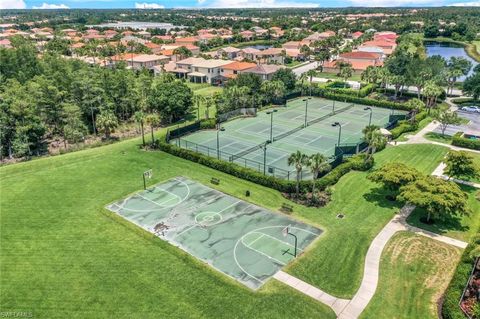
x: 50, y: 97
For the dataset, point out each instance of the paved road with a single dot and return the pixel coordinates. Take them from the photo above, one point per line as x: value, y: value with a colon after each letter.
x: 304, y: 68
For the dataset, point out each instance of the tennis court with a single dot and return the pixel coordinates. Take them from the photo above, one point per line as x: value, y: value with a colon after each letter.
x: 241, y: 141
x: 243, y: 241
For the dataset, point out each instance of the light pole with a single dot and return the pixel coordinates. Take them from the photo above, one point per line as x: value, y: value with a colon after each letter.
x: 218, y: 141
x: 264, y: 147
x: 306, y: 109
x: 368, y: 108
x: 271, y: 124
x: 333, y: 107
x: 339, y: 131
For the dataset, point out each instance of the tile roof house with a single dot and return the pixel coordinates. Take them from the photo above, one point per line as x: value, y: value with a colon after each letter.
x: 247, y: 35
x: 359, y: 61
x: 248, y: 53
x: 228, y: 52
x: 265, y: 71
x: 231, y: 70
x: 272, y: 55
x: 386, y: 45
x: 357, y: 35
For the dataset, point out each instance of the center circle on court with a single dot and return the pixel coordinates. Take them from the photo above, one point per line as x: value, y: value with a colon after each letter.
x: 208, y: 218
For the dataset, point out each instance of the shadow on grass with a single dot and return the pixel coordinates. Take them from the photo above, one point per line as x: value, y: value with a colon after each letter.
x: 379, y: 196
x: 440, y: 225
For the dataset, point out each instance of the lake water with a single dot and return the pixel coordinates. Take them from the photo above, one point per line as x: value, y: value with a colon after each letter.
x: 261, y: 46
x: 448, y: 50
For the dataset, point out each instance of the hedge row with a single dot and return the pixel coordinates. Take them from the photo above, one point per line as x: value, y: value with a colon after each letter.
x: 450, y: 306
x: 328, y: 94
x: 357, y: 162
x: 406, y: 126
x: 208, y: 124
x: 363, y: 92
x: 458, y: 140
x: 442, y: 96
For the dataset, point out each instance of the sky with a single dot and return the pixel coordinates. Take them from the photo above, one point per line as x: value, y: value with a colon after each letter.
x: 159, y: 4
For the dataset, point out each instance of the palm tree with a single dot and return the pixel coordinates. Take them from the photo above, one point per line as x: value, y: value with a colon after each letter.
x: 298, y: 160
x: 431, y: 92
x: 107, y: 122
x: 140, y: 118
x: 198, y: 100
x: 346, y: 70
x: 377, y: 140
x: 317, y: 163
x: 153, y: 120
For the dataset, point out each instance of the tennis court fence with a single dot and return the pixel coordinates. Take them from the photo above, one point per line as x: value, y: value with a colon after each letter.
x: 261, y: 167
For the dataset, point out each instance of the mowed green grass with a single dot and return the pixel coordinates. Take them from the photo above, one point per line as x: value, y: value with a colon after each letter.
x: 414, y: 272
x: 336, y: 262
x: 64, y: 256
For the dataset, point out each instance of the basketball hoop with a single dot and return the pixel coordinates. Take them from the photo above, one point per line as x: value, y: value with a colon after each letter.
x: 147, y: 174
x: 285, y: 232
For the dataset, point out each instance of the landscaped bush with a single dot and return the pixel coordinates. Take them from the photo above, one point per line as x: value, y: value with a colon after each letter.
x: 405, y: 126
x: 329, y: 94
x: 356, y: 162
x: 450, y: 306
x: 442, y: 96
x: 338, y: 87
x: 208, y: 124
x: 458, y: 140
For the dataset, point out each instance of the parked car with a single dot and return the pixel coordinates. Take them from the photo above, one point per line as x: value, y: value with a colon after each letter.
x: 472, y: 108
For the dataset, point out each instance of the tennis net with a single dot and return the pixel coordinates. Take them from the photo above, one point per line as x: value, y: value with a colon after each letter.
x: 319, y: 119
x: 247, y: 151
x: 280, y: 136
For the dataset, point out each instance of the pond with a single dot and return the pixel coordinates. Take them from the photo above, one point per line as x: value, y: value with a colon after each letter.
x: 448, y: 50
x: 260, y: 46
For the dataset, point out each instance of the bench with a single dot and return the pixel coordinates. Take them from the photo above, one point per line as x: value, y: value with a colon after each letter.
x: 286, y: 208
x: 215, y: 181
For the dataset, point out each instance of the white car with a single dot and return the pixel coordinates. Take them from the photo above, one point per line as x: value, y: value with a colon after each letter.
x: 471, y: 109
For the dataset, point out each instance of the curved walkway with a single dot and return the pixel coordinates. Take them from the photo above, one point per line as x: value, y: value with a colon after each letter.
x: 351, y: 309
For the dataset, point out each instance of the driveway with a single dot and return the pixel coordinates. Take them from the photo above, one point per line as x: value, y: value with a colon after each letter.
x: 304, y: 68
x: 472, y: 127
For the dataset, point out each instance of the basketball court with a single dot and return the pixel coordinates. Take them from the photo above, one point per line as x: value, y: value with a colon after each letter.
x: 246, y: 242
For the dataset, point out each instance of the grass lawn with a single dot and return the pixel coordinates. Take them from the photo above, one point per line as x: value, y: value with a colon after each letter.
x: 333, y: 76
x: 460, y: 227
x: 414, y: 272
x: 64, y: 256
x: 437, y: 137
x: 367, y: 211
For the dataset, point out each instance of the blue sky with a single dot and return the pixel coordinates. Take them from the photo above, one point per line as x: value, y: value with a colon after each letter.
x: 52, y: 4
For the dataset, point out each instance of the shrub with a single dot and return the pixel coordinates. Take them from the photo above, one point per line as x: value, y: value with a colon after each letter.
x: 357, y: 162
x: 406, y: 126
x: 338, y: 88
x: 450, y: 306
x: 208, y: 124
x: 330, y: 94
x: 459, y: 140
x: 442, y: 96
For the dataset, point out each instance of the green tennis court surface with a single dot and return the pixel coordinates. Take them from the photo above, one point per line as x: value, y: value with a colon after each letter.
x: 288, y: 133
x: 240, y: 239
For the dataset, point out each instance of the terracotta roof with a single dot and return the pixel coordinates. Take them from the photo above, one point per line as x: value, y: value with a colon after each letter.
x: 264, y: 69
x: 152, y: 45
x: 124, y: 57
x: 360, y: 55
x: 239, y: 66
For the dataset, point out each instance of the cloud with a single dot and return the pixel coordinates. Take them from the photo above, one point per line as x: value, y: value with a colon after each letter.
x: 258, y: 4
x: 392, y: 3
x: 12, y: 4
x: 145, y: 5
x: 466, y: 4
x: 51, y: 6
x: 201, y: 1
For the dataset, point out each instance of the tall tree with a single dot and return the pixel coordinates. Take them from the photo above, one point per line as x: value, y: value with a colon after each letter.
x: 299, y: 160
x: 436, y: 196
x: 460, y: 165
x: 317, y: 163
